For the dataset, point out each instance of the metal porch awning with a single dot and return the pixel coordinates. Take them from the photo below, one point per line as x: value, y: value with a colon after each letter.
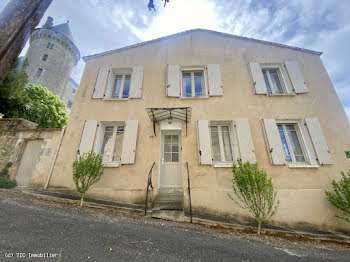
x: 157, y: 114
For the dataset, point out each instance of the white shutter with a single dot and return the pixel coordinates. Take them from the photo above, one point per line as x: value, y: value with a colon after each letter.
x: 258, y: 78
x: 101, y: 80
x: 296, y: 77
x: 273, y: 142
x: 87, y: 137
x: 204, y: 146
x: 214, y: 79
x: 136, y: 82
x: 129, y: 143
x: 245, y: 140
x: 110, y: 84
x: 308, y: 145
x: 173, y: 81
x: 319, y: 141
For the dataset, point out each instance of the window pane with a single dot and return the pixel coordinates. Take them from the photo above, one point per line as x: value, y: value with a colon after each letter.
x: 186, y: 85
x: 198, y: 83
x: 267, y: 82
x: 126, y: 86
x: 215, y: 143
x: 175, y: 148
x: 174, y: 139
x: 227, y: 143
x: 167, y: 157
x: 107, y: 146
x: 284, y: 143
x: 117, y: 86
x: 118, y: 143
x: 294, y: 141
x: 175, y: 157
x: 167, y: 139
x: 38, y: 73
x: 276, y: 81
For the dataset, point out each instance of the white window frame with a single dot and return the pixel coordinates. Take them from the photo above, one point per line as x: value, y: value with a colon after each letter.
x: 123, y: 73
x: 192, y: 70
x: 283, y: 78
x: 100, y: 137
x: 233, y: 140
x: 298, y: 123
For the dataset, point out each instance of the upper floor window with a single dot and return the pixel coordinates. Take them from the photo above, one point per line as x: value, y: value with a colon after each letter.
x: 69, y: 105
x: 118, y: 83
x: 50, y: 45
x: 193, y: 83
x: 277, y: 78
x: 121, y: 86
x: 44, y: 57
x: 39, y: 72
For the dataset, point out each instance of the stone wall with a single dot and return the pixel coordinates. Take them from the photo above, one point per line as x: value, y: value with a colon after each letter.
x: 14, y: 135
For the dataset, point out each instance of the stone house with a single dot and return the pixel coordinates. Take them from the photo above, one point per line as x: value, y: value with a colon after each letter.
x: 193, y: 103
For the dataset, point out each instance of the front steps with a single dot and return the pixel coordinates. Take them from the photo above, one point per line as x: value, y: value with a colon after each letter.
x: 169, y: 206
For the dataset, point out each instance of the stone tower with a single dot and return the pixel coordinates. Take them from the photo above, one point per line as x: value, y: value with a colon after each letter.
x: 52, y: 55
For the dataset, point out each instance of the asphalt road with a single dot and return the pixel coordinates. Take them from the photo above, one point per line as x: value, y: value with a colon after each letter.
x: 30, y: 228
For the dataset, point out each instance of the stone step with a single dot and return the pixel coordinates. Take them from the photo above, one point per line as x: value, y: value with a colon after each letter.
x: 169, y: 197
x: 172, y: 215
x: 168, y: 205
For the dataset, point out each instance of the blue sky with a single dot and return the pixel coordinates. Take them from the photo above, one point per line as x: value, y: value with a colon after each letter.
x: 321, y: 25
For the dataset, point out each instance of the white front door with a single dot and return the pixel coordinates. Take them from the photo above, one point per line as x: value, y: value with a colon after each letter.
x: 170, y: 162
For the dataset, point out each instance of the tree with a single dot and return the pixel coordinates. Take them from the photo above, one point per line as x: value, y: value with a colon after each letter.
x: 87, y: 170
x: 254, y: 191
x: 45, y: 108
x: 17, y: 21
x: 151, y: 4
x: 340, y: 198
x: 13, y: 95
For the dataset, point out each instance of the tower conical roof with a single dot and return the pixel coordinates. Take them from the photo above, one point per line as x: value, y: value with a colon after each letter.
x: 64, y: 30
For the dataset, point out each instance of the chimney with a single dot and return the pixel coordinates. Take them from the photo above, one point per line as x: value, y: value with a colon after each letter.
x: 48, y: 23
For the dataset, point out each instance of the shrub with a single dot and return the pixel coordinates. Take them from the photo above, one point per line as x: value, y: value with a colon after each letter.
x: 5, y: 170
x: 254, y: 191
x: 4, y: 183
x: 87, y: 170
x: 340, y: 198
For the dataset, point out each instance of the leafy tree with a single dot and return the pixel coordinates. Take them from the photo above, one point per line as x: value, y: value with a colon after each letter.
x: 45, y: 108
x: 13, y: 95
x: 87, y: 170
x: 4, y: 177
x: 254, y: 191
x: 340, y: 198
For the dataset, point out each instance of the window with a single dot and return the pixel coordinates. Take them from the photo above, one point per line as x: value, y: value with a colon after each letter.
x: 193, y: 83
x: 291, y: 141
x: 69, y: 105
x: 50, y: 45
x: 274, y: 80
x: 121, y: 86
x: 111, y: 147
x: 171, y: 148
x: 221, y: 143
x: 39, y: 72
x: 45, y: 57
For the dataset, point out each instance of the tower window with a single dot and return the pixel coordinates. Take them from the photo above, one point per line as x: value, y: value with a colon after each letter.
x: 69, y: 104
x: 45, y: 57
x: 38, y: 73
x: 50, y: 45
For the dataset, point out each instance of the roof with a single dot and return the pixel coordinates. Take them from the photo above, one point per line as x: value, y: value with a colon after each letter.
x: 63, y: 29
x: 206, y: 31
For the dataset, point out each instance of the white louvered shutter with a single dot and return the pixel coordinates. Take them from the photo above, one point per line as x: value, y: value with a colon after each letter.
x: 129, y: 143
x: 214, y: 79
x: 308, y: 145
x: 204, y: 146
x: 101, y: 81
x: 110, y: 84
x: 273, y: 141
x: 258, y: 78
x: 319, y: 141
x: 245, y: 140
x: 296, y: 77
x: 87, y: 137
x: 173, y: 81
x: 136, y: 82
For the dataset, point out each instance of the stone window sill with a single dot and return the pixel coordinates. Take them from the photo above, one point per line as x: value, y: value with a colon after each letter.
x: 223, y: 164
x: 294, y: 165
x: 111, y: 164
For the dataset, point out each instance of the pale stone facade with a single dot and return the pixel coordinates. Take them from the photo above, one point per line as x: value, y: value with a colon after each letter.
x: 52, y: 55
x: 235, y: 72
